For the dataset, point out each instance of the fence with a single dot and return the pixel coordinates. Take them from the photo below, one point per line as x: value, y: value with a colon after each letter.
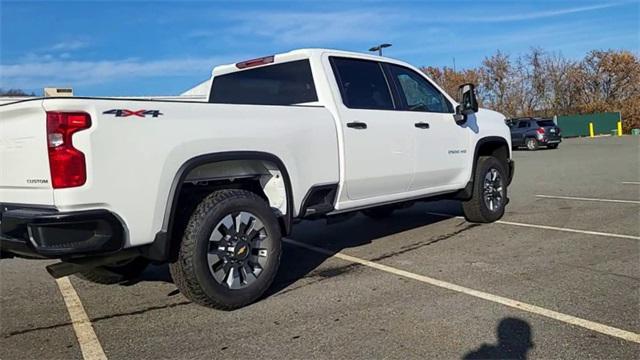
x: 578, y: 125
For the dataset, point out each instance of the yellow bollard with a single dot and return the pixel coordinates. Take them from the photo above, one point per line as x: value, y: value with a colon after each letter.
x: 619, y: 128
x: 591, y: 133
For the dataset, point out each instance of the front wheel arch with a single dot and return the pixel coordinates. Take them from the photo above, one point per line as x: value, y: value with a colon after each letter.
x: 488, y: 146
x: 492, y: 146
x: 476, y: 209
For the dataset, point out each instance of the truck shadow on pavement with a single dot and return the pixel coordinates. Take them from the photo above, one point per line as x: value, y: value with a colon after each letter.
x: 515, y: 339
x: 298, y: 263
x: 152, y: 273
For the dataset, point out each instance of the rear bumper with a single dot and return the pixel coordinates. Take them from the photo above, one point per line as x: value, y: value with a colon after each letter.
x: 47, y: 233
x: 551, y: 139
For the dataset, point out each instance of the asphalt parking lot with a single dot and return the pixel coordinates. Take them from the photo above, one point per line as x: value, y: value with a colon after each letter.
x: 557, y: 278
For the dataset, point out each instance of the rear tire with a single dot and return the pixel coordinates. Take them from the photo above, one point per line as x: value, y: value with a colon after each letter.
x: 489, y: 197
x: 532, y: 144
x: 230, y: 250
x: 114, y: 274
x: 552, y: 146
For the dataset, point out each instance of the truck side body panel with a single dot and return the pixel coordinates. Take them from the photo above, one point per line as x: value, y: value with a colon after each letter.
x: 133, y: 160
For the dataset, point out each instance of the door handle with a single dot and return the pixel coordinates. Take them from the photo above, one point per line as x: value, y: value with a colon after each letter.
x: 357, y: 125
x: 422, y: 125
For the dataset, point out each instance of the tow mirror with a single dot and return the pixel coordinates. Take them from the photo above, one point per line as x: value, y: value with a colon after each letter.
x: 468, y: 103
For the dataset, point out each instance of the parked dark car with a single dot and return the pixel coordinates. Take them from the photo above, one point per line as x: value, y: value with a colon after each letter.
x: 534, y: 132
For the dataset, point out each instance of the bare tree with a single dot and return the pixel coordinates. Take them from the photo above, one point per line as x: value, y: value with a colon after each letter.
x: 497, y: 80
x: 545, y: 84
x: 450, y: 79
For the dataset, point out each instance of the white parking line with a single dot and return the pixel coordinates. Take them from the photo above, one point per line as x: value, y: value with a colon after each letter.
x: 545, y: 227
x: 598, y: 233
x: 569, y: 319
x: 631, y: 182
x: 89, y: 343
x: 588, y: 199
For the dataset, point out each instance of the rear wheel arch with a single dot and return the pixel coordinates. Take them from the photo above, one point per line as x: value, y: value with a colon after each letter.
x: 166, y: 240
x: 245, y: 255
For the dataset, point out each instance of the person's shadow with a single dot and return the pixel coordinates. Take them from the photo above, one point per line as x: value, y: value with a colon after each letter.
x: 514, y: 341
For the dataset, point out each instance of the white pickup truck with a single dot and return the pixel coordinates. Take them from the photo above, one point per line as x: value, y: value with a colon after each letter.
x: 109, y: 185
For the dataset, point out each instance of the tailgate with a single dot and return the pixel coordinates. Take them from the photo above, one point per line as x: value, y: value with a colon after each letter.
x: 24, y: 160
x: 553, y: 133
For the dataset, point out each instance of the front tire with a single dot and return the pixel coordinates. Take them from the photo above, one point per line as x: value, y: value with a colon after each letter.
x: 230, y: 251
x: 552, y: 146
x: 489, y: 197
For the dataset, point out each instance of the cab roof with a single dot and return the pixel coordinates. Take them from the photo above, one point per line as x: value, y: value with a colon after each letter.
x: 298, y: 54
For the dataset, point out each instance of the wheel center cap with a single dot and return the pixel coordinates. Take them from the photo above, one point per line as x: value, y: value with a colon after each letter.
x: 241, y: 250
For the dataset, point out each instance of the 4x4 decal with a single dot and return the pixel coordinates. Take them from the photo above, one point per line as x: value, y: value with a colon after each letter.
x: 127, y: 113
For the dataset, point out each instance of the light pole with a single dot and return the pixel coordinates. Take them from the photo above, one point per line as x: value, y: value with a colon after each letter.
x: 379, y: 48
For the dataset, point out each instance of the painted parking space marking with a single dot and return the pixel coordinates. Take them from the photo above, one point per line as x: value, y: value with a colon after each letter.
x: 545, y: 227
x: 89, y: 344
x: 631, y: 182
x: 565, y: 318
x: 589, y: 199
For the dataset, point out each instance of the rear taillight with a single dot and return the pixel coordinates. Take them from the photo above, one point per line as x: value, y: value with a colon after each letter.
x: 67, y: 164
x: 540, y: 131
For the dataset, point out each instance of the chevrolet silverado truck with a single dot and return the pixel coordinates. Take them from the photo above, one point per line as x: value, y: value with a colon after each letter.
x: 108, y: 186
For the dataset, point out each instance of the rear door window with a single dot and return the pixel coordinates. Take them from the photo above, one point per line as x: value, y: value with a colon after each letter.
x: 523, y: 124
x: 362, y: 84
x: 280, y: 84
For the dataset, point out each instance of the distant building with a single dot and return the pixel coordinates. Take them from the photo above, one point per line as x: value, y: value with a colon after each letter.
x: 49, y: 91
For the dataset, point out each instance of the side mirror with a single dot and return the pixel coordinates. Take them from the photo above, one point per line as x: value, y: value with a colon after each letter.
x: 468, y: 103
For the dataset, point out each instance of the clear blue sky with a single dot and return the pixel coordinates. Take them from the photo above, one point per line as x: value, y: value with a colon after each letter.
x: 160, y: 48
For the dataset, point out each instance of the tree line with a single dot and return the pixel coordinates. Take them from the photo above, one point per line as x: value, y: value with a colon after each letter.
x: 545, y: 84
x: 14, y: 92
